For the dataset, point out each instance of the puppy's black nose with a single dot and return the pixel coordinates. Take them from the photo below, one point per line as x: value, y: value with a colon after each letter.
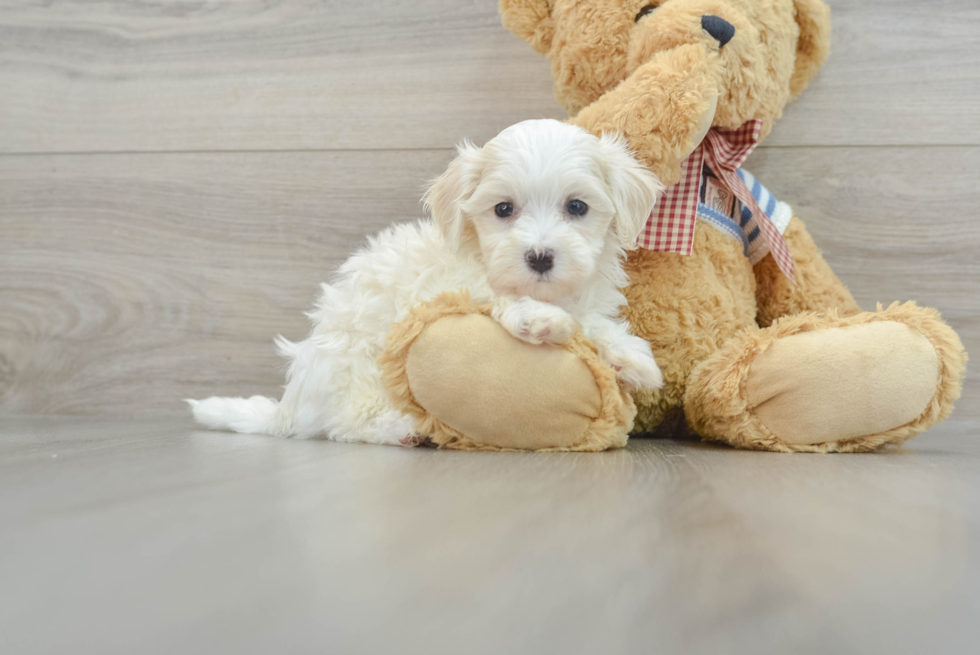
x: 719, y: 28
x: 541, y: 261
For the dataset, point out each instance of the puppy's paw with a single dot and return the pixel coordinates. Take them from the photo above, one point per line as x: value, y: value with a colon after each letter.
x: 634, y: 363
x: 537, y: 322
x: 416, y: 440
x: 554, y: 325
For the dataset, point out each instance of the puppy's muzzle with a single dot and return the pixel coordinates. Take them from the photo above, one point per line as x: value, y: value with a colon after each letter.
x: 541, y: 261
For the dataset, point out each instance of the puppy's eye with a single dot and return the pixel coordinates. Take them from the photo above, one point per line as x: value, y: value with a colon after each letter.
x: 504, y: 209
x: 646, y: 11
x: 577, y: 208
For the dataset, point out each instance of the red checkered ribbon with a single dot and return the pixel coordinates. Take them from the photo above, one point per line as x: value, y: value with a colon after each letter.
x: 672, y: 222
x: 670, y: 227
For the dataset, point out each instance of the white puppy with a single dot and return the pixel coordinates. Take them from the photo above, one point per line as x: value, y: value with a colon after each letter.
x: 534, y: 222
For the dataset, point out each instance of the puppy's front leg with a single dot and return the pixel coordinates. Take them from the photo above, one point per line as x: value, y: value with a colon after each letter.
x: 534, y: 321
x: 627, y: 353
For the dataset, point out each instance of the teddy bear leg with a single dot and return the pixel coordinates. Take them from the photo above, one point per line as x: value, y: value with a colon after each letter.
x: 686, y: 308
x: 470, y: 385
x: 817, y: 382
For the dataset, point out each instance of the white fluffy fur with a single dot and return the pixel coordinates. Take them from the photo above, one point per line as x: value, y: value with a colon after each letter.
x: 334, y: 387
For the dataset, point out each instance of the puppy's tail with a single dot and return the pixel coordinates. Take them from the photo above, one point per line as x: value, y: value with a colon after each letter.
x: 255, y: 415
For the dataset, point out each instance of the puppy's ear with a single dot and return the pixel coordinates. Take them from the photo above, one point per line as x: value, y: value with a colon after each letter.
x: 531, y: 20
x: 632, y: 187
x: 445, y: 196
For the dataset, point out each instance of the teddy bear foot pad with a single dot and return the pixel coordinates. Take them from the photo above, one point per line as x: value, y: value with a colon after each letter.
x: 822, y: 383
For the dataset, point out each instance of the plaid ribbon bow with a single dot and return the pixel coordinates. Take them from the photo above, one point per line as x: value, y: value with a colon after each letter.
x: 670, y: 227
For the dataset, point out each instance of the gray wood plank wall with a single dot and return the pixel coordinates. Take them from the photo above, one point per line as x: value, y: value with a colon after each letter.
x: 177, y: 178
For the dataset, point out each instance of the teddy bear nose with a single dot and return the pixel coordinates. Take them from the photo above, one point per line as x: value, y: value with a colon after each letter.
x: 719, y: 28
x: 540, y: 260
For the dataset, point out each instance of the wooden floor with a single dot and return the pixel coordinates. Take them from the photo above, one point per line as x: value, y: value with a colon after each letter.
x: 176, y: 179
x: 147, y: 536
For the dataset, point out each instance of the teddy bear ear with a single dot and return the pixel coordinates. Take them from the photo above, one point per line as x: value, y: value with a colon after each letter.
x: 531, y: 20
x: 813, y: 17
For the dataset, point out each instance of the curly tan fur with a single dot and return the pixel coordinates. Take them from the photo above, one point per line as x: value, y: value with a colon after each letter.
x: 659, y: 107
x: 686, y: 307
x: 531, y: 20
x: 596, y: 45
x: 813, y: 46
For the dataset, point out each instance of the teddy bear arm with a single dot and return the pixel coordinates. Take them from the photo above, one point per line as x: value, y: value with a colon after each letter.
x: 675, y: 91
x: 816, y: 289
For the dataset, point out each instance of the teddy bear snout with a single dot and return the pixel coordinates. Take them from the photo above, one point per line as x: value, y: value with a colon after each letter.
x: 719, y: 28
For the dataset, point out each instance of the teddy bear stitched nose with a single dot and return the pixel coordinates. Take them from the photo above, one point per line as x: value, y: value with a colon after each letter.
x: 719, y: 28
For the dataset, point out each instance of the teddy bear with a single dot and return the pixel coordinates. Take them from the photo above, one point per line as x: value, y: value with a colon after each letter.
x: 760, y: 344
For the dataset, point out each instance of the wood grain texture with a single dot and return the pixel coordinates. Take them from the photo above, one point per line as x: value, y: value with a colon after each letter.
x: 132, y: 281
x: 147, y: 536
x: 256, y: 75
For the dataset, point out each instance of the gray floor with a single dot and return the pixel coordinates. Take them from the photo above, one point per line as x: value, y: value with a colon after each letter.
x: 145, y: 535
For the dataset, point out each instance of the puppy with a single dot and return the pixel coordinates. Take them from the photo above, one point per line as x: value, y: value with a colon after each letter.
x: 535, y: 222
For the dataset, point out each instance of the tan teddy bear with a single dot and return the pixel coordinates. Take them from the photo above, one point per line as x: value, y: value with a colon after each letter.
x: 760, y: 344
